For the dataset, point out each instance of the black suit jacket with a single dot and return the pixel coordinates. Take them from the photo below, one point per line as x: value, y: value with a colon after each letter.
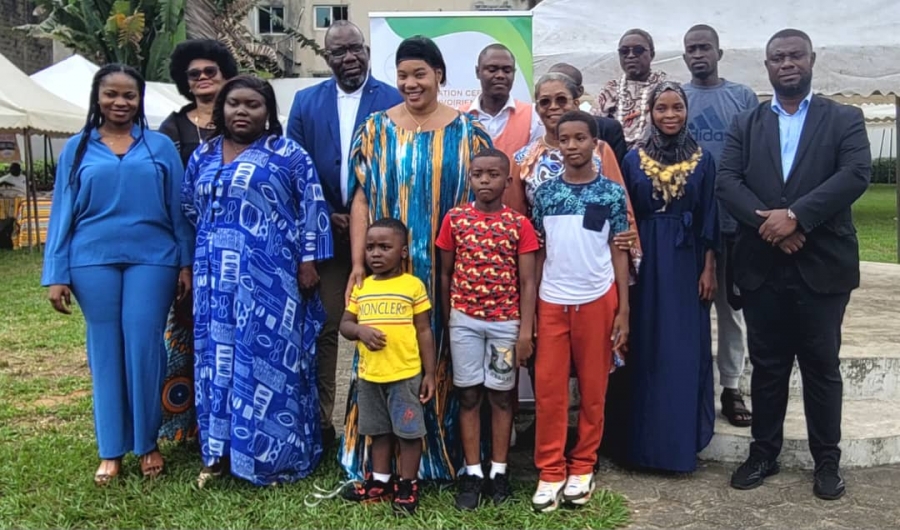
x: 610, y: 131
x: 831, y: 170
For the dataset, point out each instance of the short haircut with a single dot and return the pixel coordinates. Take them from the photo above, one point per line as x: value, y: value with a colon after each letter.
x: 392, y: 224
x: 640, y: 33
x: 558, y: 77
x: 569, y: 70
x: 579, y: 116
x: 191, y: 50
x: 704, y: 27
x: 788, y: 33
x: 338, y: 24
x: 491, y: 152
x: 422, y: 48
x: 15, y: 169
x: 495, y: 47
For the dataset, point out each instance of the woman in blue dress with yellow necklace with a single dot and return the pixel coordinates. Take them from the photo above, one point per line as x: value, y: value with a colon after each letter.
x: 262, y: 223
x: 669, y: 369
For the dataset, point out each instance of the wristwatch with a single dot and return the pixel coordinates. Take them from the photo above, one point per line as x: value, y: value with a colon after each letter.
x: 791, y: 215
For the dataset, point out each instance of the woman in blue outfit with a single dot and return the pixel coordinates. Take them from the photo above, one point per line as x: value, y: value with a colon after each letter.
x: 671, y: 183
x: 262, y: 223
x: 117, y: 239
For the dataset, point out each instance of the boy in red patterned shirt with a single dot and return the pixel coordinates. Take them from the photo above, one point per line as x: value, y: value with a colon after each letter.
x: 488, y: 296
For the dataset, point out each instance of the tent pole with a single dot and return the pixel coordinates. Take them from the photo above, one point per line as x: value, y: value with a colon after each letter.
x: 30, y: 192
x: 897, y: 167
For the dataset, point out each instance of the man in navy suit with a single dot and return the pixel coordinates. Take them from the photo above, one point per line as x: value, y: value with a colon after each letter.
x: 323, y: 119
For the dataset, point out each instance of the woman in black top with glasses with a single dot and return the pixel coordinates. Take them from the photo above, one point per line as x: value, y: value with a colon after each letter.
x: 199, y: 69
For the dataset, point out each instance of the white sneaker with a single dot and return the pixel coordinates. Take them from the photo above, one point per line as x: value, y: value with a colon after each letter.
x: 579, y: 489
x: 546, y: 498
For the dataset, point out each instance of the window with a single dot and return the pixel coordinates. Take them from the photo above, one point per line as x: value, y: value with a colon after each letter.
x: 326, y: 15
x: 270, y: 19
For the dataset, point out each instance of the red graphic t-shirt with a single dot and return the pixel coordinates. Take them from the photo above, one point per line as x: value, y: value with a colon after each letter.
x: 486, y: 270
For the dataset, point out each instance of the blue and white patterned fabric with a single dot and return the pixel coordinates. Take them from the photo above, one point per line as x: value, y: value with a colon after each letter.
x: 257, y: 219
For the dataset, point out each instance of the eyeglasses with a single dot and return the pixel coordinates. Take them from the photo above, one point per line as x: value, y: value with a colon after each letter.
x: 638, y: 50
x: 341, y: 51
x: 209, y: 72
x: 561, y: 101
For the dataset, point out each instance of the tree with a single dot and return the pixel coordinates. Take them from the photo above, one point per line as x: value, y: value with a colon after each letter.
x: 140, y: 34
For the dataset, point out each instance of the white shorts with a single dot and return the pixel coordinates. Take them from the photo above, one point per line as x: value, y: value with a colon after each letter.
x: 483, y: 353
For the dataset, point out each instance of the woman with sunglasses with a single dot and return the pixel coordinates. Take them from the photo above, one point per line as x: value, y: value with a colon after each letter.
x: 626, y: 99
x: 199, y: 69
x: 554, y: 95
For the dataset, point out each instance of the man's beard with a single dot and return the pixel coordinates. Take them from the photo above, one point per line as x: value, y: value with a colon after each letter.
x: 800, y: 89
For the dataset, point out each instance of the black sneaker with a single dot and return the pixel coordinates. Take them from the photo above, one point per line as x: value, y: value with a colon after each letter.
x: 369, y: 491
x: 828, y: 484
x: 753, y: 473
x: 501, y: 491
x: 329, y: 437
x: 406, y: 497
x: 468, y: 492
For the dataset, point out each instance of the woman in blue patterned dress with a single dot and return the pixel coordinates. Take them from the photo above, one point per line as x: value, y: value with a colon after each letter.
x: 262, y: 223
x: 411, y: 162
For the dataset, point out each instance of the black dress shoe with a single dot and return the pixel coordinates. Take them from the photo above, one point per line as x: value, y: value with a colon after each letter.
x: 753, y: 473
x: 828, y: 484
x: 329, y: 437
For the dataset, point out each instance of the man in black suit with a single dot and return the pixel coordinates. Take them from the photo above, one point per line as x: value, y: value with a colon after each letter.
x: 789, y: 173
x: 608, y: 129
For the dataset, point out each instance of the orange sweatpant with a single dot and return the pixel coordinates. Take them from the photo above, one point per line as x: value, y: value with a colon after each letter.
x: 578, y: 334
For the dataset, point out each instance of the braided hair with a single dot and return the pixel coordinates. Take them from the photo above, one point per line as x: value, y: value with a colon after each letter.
x: 95, y: 117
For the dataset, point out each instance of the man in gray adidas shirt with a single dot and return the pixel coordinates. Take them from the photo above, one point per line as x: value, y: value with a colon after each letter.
x: 713, y: 103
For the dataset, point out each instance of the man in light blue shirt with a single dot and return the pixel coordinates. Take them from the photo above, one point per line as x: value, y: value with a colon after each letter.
x: 713, y: 102
x: 789, y: 128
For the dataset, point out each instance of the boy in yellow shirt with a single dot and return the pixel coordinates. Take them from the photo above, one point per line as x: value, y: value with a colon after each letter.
x: 389, y: 317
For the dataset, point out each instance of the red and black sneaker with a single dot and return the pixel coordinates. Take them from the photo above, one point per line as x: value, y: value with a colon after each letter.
x: 369, y: 491
x: 406, y: 497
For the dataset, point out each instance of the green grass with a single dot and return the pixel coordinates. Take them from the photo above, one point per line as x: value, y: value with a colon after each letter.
x: 875, y: 216
x: 48, y: 455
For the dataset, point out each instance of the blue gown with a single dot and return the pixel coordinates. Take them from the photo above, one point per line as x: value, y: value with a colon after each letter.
x: 670, y: 378
x: 255, y: 372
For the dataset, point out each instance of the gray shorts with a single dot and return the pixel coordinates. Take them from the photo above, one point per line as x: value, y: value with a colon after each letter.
x: 386, y: 408
x: 483, y: 353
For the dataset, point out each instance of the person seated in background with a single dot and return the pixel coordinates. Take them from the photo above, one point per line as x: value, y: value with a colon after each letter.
x: 13, y: 183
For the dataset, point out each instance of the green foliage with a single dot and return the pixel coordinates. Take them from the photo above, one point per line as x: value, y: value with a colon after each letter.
x: 141, y: 34
x: 884, y: 171
x: 44, y: 174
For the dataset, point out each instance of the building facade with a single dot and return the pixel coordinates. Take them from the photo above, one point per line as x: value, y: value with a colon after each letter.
x: 312, y: 18
x: 29, y: 55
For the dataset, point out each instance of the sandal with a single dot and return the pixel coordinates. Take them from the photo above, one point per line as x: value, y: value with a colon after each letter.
x: 152, y: 464
x: 108, y: 470
x: 210, y: 472
x: 734, y: 409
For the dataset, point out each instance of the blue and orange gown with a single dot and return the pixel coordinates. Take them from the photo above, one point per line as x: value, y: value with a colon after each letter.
x: 417, y: 178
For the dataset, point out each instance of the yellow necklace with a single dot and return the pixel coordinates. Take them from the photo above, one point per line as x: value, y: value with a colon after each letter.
x: 419, y: 124
x: 669, y: 180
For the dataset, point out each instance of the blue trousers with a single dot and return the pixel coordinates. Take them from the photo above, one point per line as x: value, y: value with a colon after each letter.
x: 125, y: 307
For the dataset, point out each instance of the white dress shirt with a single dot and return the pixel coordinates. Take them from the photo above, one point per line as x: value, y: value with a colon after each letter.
x: 494, y: 125
x: 348, y: 107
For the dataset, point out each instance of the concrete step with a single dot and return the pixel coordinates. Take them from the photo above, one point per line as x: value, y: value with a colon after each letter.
x: 864, y: 378
x: 870, y: 436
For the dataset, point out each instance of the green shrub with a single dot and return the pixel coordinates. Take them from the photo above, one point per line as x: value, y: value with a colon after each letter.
x: 42, y: 181
x: 884, y: 171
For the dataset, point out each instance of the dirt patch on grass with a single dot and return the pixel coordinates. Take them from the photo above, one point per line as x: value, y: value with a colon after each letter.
x: 51, y: 364
x: 55, y: 401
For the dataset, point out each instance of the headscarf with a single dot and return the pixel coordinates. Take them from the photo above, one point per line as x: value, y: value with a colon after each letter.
x: 661, y: 147
x: 422, y: 48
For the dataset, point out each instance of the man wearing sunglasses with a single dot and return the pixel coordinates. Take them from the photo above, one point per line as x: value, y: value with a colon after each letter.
x: 627, y: 99
x: 323, y: 119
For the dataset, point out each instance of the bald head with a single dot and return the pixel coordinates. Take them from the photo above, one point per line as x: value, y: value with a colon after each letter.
x: 344, y: 28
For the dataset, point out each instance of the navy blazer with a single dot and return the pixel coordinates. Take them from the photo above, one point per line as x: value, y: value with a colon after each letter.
x: 313, y: 124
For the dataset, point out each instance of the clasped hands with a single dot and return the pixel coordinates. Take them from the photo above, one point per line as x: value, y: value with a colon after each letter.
x: 779, y: 230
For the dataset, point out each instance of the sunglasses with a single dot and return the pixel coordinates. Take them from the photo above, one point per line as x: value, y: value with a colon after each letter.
x: 638, y: 50
x: 209, y: 72
x: 561, y: 101
x: 341, y: 51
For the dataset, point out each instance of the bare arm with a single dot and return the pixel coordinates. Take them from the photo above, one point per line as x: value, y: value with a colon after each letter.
x: 620, y: 260
x: 350, y: 329
x: 359, y: 223
x: 425, y: 337
x: 527, y: 293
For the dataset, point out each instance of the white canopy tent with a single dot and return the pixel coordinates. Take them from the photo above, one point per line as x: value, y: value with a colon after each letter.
x: 857, y: 43
x: 71, y: 80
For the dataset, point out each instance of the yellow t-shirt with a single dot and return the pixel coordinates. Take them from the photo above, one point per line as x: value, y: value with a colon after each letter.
x: 389, y: 306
